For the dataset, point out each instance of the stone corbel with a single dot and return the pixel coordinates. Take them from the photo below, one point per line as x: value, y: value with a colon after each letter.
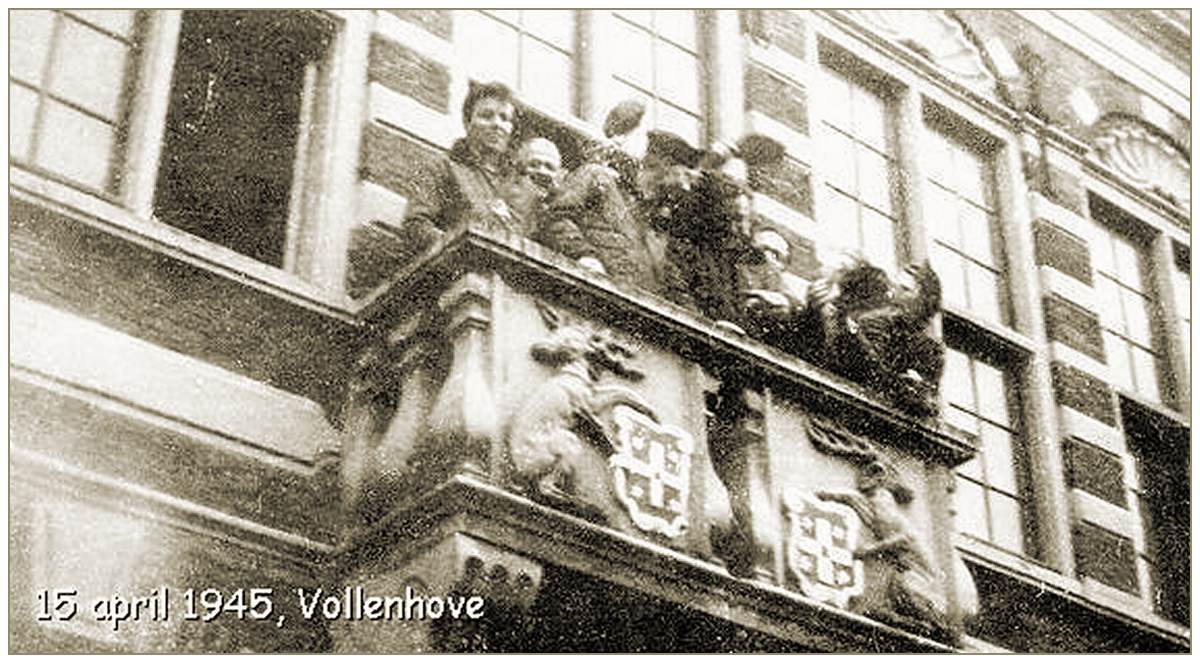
x: 462, y: 594
x: 735, y: 434
x: 463, y: 425
x: 359, y: 422
x: 389, y: 395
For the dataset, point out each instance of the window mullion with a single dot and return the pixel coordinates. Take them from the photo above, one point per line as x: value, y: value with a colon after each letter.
x: 907, y: 176
x: 43, y: 87
x: 1173, y: 354
x: 148, y: 114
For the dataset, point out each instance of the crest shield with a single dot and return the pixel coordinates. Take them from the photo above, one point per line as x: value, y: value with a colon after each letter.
x: 651, y: 471
x: 821, y: 539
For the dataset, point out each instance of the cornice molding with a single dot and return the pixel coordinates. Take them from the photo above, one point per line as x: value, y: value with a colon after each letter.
x: 935, y: 35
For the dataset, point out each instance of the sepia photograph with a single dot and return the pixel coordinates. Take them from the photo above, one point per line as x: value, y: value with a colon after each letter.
x: 584, y: 330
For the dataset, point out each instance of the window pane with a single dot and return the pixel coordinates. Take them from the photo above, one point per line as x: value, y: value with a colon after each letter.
x: 1006, y: 521
x: 30, y: 32
x: 1116, y: 352
x: 995, y: 445
x: 879, y: 240
x: 89, y: 69
x: 873, y: 179
x: 677, y: 77
x: 956, y: 380
x: 984, y: 292
x: 546, y: 79
x: 870, y: 119
x: 970, y: 512
x: 837, y: 159
x: 642, y: 17
x: 678, y: 25
x: 837, y: 100
x: 632, y: 56
x: 490, y: 48
x: 971, y: 174
x: 1137, y: 323
x: 1101, y: 250
x: 1183, y: 293
x: 78, y: 147
x: 556, y: 26
x: 676, y: 121
x: 962, y: 420
x: 839, y: 228
x: 941, y: 214
x: 1127, y: 263
x: 990, y: 390
x: 119, y: 21
x: 1110, y: 314
x: 977, y: 234
x: 972, y: 469
x: 1145, y: 370
x: 949, y: 268
x: 511, y: 16
x: 22, y: 108
x: 939, y: 159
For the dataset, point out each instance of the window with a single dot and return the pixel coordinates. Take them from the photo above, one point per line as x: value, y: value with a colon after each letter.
x: 1182, y: 276
x: 988, y: 501
x: 856, y: 159
x: 961, y: 217
x: 241, y: 119
x: 530, y: 50
x: 1125, y: 302
x: 654, y: 56
x: 70, y: 75
x: 1161, y: 451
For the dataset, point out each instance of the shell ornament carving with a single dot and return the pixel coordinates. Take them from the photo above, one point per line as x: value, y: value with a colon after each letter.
x: 936, y: 36
x: 1146, y: 160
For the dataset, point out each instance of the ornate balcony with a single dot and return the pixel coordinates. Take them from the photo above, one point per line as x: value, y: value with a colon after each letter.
x: 519, y: 428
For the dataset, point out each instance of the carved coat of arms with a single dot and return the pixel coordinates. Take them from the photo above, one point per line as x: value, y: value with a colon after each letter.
x: 821, y: 539
x: 651, y: 470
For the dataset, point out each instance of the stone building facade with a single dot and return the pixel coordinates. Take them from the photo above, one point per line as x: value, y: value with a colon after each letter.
x: 228, y: 374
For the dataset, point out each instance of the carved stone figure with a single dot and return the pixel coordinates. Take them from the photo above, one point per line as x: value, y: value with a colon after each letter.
x: 558, y: 439
x: 908, y: 589
x: 903, y: 587
x: 878, y: 332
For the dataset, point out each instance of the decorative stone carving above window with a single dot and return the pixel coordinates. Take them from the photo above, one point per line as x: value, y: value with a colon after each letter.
x: 936, y: 36
x: 1145, y: 158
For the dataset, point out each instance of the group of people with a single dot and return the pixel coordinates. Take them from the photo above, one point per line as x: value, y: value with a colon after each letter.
x: 651, y: 211
x: 644, y: 207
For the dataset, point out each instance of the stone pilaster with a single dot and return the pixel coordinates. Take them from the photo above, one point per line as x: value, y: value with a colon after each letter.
x: 463, y: 425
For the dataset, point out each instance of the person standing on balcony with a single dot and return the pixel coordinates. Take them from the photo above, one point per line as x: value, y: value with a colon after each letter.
x: 467, y: 185
x: 537, y: 179
x: 596, y: 217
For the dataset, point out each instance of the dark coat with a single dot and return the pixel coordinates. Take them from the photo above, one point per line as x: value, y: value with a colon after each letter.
x: 597, y: 213
x: 457, y: 188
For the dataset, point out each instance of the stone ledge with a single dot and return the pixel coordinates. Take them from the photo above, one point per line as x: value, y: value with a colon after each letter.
x: 471, y: 506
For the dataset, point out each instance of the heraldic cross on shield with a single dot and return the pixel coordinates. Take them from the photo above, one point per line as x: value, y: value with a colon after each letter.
x: 651, y: 471
x: 822, y: 537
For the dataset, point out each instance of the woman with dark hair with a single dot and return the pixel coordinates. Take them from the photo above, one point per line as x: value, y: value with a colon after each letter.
x: 468, y: 183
